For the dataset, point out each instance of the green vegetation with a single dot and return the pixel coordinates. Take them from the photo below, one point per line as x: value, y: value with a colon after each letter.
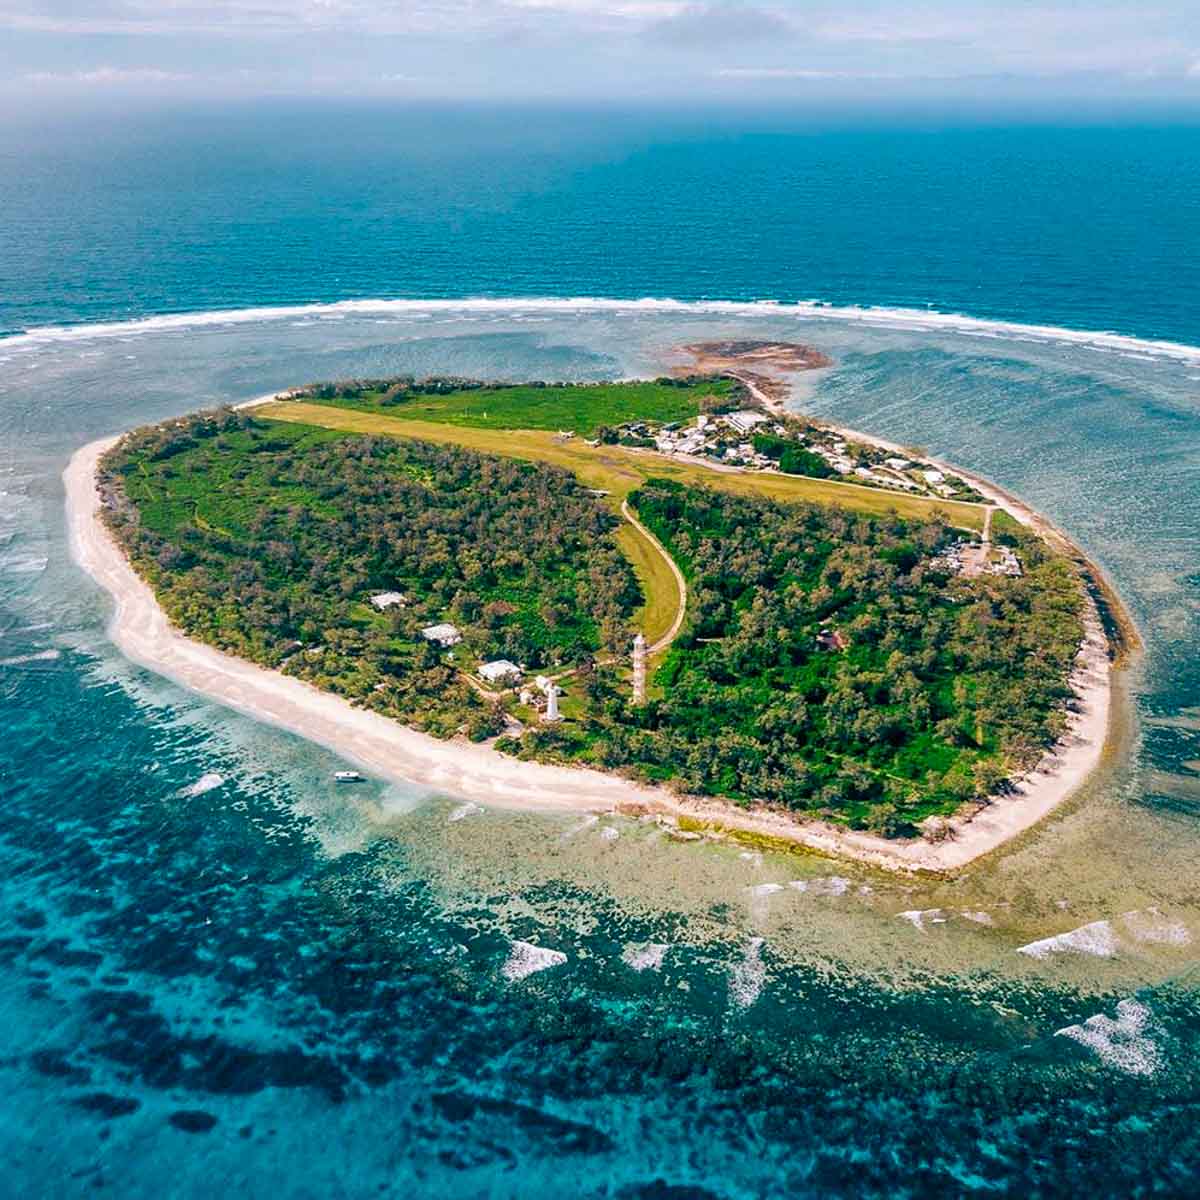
x: 928, y: 690
x: 828, y: 663
x: 620, y: 471
x: 659, y: 588
x: 268, y: 540
x: 582, y: 408
x: 1005, y: 529
x: 793, y: 459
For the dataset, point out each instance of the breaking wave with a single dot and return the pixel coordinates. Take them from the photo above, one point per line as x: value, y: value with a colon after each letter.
x: 908, y: 319
x: 1121, y: 1042
x: 527, y: 959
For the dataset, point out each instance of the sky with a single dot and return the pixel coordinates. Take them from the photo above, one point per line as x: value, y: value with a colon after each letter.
x: 690, y: 51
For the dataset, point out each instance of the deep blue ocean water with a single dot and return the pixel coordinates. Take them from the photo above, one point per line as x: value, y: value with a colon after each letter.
x: 221, y: 973
x: 1088, y: 227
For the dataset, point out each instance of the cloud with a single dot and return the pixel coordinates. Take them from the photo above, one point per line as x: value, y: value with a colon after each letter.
x: 603, y: 48
x: 701, y: 26
x: 898, y: 32
x: 793, y: 73
x: 637, y: 10
x: 241, y: 18
x: 108, y: 77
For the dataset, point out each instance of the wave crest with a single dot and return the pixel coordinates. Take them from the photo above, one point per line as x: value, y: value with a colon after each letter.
x: 907, y: 319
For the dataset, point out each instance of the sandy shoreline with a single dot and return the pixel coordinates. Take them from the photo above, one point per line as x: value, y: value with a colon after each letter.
x: 382, y: 747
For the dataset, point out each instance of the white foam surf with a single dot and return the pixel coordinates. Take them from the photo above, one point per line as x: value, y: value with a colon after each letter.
x: 206, y: 783
x: 831, y: 885
x: 1121, y: 1042
x: 20, y: 659
x: 764, y: 889
x: 1152, y: 927
x: 527, y: 959
x: 1096, y: 938
x: 748, y: 975
x: 1104, y: 939
x: 921, y: 918
x: 908, y: 319
x: 644, y: 956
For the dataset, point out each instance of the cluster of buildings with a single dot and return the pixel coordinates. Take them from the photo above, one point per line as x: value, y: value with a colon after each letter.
x: 729, y: 439
x: 502, y: 673
x: 543, y: 695
x: 718, y: 437
x: 978, y: 558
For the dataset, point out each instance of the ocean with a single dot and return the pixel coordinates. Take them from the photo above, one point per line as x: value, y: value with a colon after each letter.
x: 219, y: 971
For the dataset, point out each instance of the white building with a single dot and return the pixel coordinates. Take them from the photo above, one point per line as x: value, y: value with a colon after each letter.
x: 745, y: 420
x: 499, y: 670
x: 385, y: 600
x: 442, y: 635
x: 933, y: 476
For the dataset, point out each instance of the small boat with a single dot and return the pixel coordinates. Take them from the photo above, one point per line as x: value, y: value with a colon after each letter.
x: 348, y: 777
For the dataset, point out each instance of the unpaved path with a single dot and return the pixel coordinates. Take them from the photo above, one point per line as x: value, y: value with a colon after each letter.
x: 676, y: 625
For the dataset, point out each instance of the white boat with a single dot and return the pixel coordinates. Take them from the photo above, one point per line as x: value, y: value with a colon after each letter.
x: 348, y: 777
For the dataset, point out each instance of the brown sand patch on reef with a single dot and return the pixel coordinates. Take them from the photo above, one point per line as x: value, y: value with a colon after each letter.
x: 758, y: 364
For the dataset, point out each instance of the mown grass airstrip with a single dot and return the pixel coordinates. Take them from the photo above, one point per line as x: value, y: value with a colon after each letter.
x: 619, y: 470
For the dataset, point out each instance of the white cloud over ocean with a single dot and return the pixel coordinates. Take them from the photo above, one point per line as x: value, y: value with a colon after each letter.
x: 616, y: 49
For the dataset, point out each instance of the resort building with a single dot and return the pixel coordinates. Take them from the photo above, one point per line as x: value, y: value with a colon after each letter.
x: 444, y: 635
x: 499, y: 670
x: 745, y: 420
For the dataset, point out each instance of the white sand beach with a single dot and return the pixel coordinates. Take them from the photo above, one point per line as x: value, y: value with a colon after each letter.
x: 142, y: 631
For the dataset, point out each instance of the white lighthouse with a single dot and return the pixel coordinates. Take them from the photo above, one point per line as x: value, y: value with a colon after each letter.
x: 639, y: 669
x: 551, y: 713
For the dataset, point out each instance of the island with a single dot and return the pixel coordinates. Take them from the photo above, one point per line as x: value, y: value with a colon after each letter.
x: 668, y: 596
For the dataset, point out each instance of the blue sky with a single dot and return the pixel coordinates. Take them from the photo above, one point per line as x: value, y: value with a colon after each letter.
x: 624, y: 50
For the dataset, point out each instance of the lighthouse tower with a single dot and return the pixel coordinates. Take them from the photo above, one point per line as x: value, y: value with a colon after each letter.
x: 639, y: 670
x: 551, y: 714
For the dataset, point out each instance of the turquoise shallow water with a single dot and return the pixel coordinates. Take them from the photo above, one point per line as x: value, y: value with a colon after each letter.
x: 220, y: 971
x: 220, y: 966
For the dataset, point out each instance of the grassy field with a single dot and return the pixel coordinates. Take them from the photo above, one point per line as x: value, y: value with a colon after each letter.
x: 658, y: 583
x: 581, y: 408
x: 618, y: 470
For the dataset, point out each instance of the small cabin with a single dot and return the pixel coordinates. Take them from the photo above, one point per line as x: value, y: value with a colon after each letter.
x: 832, y: 639
x: 499, y: 670
x: 444, y: 635
x: 385, y: 600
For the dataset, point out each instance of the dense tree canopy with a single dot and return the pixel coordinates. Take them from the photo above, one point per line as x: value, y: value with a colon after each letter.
x: 831, y: 662
x: 268, y: 540
x: 831, y: 666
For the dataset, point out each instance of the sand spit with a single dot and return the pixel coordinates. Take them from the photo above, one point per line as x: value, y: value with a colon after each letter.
x: 142, y: 631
